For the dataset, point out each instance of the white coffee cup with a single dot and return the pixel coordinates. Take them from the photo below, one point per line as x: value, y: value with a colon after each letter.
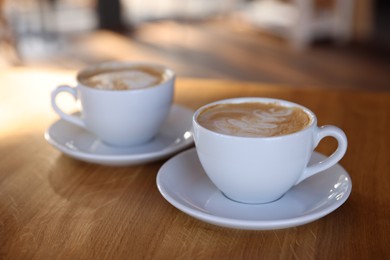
x: 120, y: 117
x: 262, y: 169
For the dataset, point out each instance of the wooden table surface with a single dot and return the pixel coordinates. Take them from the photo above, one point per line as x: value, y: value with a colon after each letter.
x: 55, y: 207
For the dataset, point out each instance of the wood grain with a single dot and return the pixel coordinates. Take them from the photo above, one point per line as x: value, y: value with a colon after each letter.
x: 55, y: 207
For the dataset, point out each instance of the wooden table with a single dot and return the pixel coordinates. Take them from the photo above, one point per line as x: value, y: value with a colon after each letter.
x: 55, y: 207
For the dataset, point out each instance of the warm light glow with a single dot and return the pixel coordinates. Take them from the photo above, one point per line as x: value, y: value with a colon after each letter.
x: 25, y: 99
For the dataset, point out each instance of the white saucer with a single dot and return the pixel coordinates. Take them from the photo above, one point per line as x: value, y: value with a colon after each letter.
x: 78, y: 143
x: 184, y: 184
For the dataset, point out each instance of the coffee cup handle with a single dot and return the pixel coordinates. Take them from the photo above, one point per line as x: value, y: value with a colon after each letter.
x: 70, y: 118
x: 322, y: 132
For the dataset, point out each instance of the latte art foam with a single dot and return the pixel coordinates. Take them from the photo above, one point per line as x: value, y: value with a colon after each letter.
x: 133, y: 78
x: 253, y: 119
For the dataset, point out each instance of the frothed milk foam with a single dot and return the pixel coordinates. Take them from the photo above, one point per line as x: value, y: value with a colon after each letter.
x: 253, y: 119
x: 124, y: 78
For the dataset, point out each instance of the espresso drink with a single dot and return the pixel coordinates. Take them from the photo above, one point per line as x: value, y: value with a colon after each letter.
x: 253, y: 119
x: 123, y: 78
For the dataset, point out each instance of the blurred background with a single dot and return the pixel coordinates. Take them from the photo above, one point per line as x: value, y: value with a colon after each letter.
x: 334, y: 43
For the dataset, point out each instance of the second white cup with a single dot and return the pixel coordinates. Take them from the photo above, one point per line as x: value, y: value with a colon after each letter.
x: 122, y: 103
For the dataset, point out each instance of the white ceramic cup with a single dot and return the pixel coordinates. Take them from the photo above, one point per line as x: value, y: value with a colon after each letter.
x: 262, y: 169
x: 120, y: 117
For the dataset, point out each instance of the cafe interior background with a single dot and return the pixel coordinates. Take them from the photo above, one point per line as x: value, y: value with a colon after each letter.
x: 338, y: 43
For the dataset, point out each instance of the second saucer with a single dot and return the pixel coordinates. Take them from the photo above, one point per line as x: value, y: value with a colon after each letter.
x: 78, y: 143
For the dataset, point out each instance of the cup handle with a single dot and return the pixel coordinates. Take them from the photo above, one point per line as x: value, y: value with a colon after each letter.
x: 70, y: 118
x: 321, y: 133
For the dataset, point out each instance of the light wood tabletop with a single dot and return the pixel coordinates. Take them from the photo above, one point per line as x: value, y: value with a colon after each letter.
x: 56, y: 207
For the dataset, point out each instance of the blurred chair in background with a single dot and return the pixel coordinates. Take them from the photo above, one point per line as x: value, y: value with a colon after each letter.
x: 302, y: 21
x: 322, y: 18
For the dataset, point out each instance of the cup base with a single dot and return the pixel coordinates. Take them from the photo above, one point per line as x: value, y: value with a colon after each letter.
x: 250, y: 202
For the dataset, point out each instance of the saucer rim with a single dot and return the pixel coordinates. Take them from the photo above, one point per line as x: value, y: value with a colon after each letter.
x: 123, y: 159
x: 251, y: 224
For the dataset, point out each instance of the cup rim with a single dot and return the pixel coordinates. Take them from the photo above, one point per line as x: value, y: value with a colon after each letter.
x: 312, y: 116
x: 124, y: 64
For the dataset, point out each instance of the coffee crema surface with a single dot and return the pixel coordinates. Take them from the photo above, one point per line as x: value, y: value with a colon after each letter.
x: 253, y: 119
x: 124, y: 79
